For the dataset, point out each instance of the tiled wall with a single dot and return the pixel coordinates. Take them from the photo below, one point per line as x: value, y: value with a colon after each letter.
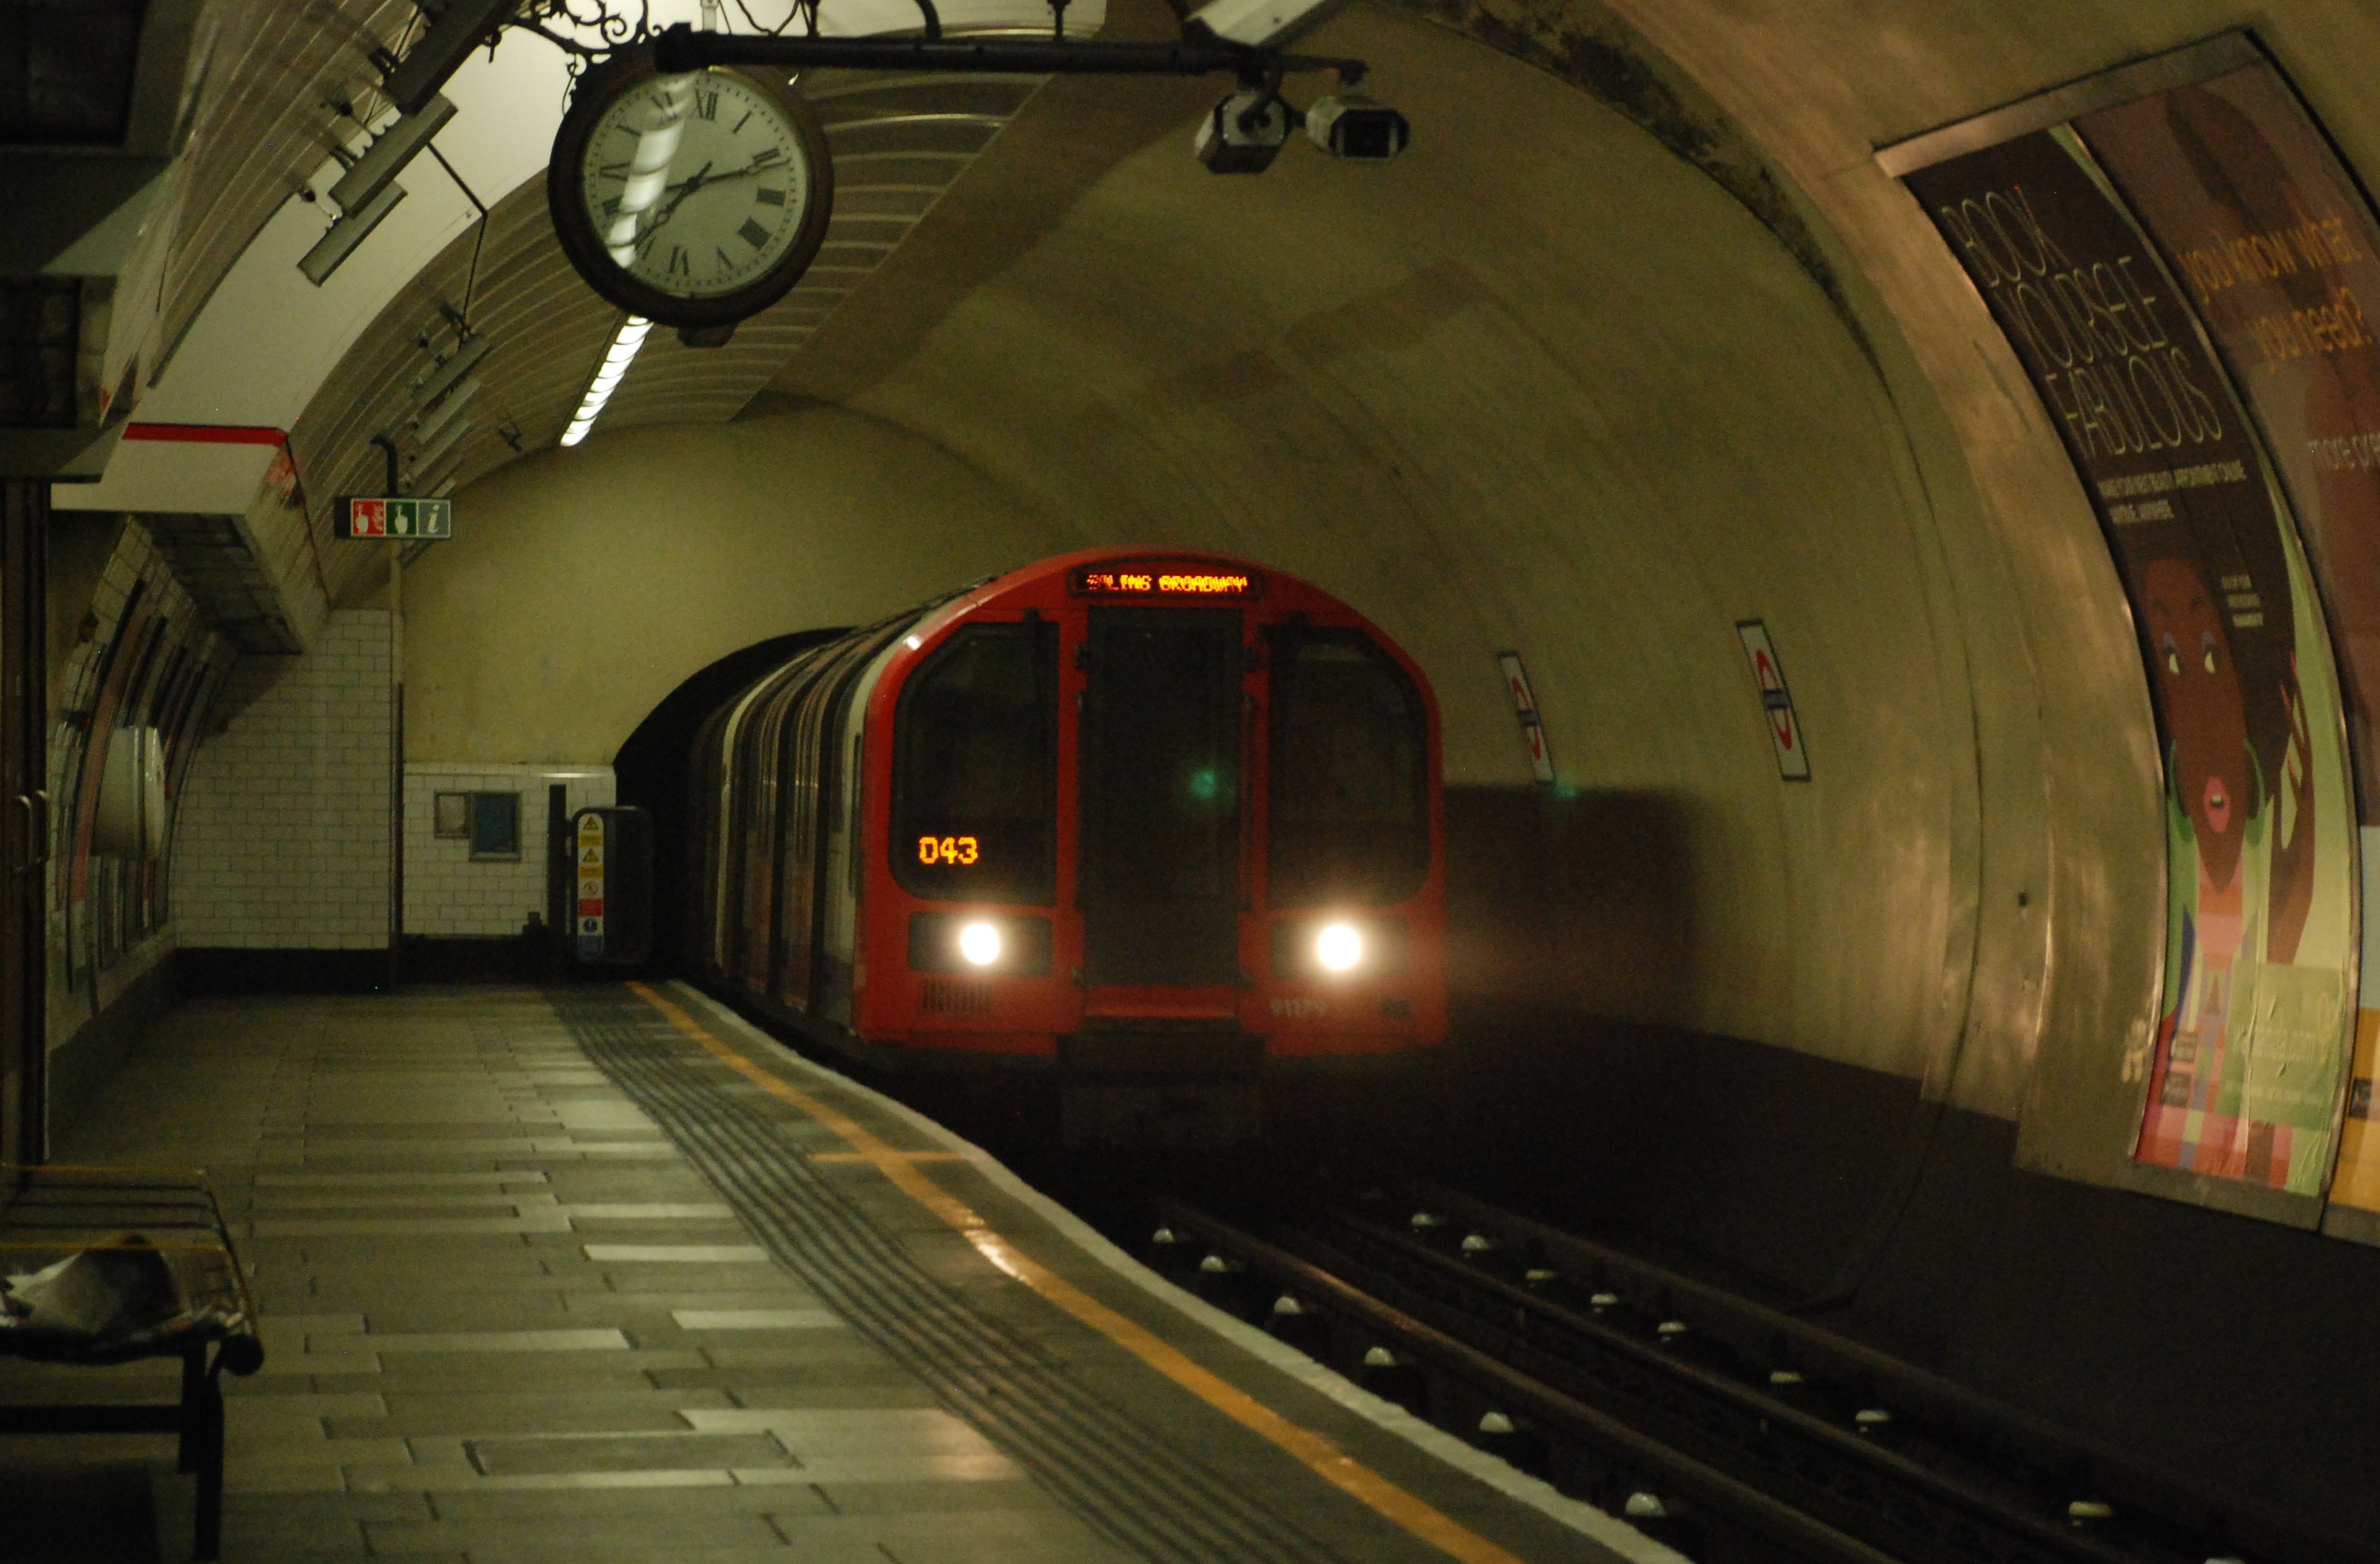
x: 284, y: 837
x: 449, y: 895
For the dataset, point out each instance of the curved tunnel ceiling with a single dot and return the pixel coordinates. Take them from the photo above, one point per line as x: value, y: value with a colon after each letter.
x: 898, y: 140
x: 1638, y: 342
x: 1600, y: 415
x: 227, y: 333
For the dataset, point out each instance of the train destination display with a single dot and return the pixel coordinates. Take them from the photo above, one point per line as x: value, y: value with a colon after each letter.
x: 1158, y: 580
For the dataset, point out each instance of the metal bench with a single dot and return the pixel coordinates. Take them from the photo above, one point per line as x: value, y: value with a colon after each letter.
x: 104, y: 1266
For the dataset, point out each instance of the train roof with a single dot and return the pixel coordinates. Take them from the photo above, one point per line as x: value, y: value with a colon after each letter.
x: 1059, y: 572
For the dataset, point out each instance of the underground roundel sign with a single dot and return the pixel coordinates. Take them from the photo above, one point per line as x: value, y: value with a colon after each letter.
x: 1776, y: 702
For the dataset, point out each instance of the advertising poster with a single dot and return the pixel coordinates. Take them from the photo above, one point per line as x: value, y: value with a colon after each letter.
x: 2244, y: 1074
x: 2280, y: 259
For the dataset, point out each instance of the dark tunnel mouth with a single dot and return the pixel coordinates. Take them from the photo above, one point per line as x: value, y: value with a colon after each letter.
x: 649, y: 767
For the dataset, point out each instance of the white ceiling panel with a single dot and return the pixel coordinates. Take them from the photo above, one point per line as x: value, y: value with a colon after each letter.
x: 172, y: 474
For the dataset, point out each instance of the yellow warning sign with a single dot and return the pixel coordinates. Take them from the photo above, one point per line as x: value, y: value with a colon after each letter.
x: 590, y: 886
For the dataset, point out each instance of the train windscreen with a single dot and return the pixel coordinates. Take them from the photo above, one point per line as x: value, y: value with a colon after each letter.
x: 975, y: 777
x: 1349, y: 798
x: 1160, y: 768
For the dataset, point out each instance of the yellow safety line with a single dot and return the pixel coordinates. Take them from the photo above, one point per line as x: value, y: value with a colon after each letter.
x: 1318, y: 1454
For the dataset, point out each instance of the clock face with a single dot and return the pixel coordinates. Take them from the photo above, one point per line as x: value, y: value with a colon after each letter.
x: 692, y: 200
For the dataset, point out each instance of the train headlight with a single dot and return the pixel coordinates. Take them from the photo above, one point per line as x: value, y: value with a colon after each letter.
x: 1339, y: 946
x: 1340, y: 949
x: 979, y: 944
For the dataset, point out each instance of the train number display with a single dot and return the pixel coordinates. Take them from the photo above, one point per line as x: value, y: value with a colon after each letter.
x: 960, y: 850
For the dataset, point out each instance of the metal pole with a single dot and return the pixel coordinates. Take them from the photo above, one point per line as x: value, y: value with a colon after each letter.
x: 396, y: 731
x: 561, y: 880
x: 396, y: 762
x: 24, y: 783
x: 680, y: 48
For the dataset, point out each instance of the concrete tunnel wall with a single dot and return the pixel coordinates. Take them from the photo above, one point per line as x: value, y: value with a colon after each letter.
x: 1541, y: 384
x: 1548, y: 383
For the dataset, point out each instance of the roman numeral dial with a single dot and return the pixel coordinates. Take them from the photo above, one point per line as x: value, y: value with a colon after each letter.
x: 692, y: 200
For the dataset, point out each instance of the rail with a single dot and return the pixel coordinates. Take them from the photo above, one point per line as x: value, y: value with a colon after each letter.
x: 1730, y: 1430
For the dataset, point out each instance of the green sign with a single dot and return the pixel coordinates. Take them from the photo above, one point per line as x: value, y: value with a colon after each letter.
x: 394, y: 518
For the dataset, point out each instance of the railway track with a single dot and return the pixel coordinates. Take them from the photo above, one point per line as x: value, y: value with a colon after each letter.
x: 1734, y: 1433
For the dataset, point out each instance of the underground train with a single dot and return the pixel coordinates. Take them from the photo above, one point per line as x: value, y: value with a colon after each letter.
x: 1162, y: 826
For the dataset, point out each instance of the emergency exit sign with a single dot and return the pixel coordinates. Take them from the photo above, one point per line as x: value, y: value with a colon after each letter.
x: 393, y: 518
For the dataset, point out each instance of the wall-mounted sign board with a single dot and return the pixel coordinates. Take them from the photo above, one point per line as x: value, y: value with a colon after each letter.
x: 610, y: 872
x: 2188, y: 278
x: 1525, y: 705
x: 359, y: 517
x: 1776, y: 702
x: 588, y: 896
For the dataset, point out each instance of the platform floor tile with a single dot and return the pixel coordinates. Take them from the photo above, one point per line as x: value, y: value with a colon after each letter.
x: 540, y: 1279
x: 496, y: 1303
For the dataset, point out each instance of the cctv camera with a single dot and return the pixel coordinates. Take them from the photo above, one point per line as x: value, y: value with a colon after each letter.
x: 1244, y: 133
x: 1361, y: 129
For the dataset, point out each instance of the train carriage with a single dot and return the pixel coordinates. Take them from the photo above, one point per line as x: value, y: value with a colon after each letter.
x: 1162, y: 821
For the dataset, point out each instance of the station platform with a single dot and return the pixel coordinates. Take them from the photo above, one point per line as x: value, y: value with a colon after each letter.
x: 600, y: 1274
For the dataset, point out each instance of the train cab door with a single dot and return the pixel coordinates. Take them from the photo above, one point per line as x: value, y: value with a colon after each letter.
x: 1159, y: 844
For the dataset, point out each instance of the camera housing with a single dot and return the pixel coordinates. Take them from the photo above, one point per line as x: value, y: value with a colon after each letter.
x: 1259, y: 24
x: 1357, y: 128
x: 1244, y: 133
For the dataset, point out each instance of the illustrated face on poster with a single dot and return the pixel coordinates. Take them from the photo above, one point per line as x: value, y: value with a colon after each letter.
x: 2243, y: 1074
x: 2198, y: 685
x: 2281, y: 261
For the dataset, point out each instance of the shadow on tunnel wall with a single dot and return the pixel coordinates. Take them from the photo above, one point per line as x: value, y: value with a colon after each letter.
x: 1571, y: 920
x: 2207, y: 1345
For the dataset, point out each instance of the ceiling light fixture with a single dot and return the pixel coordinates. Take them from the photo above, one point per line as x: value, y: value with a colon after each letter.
x: 390, y: 150
x: 435, y: 451
x: 446, y: 373
x: 607, y: 379
x: 427, y: 425
x: 351, y: 229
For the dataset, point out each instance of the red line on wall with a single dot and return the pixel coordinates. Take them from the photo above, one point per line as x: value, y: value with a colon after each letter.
x: 207, y: 434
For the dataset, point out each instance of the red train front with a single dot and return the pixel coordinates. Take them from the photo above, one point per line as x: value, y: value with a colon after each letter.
x: 1166, y: 821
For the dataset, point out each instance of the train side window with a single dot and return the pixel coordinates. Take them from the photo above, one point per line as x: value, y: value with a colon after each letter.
x: 975, y: 802
x: 1350, y: 797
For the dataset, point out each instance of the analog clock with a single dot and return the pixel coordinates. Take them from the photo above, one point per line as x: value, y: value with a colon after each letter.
x: 694, y: 200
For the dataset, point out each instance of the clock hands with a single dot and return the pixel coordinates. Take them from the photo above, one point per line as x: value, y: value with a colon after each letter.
x: 667, y: 209
x: 767, y: 158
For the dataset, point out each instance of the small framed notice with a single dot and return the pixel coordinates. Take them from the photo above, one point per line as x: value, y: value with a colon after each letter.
x: 1524, y: 706
x: 1776, y: 702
